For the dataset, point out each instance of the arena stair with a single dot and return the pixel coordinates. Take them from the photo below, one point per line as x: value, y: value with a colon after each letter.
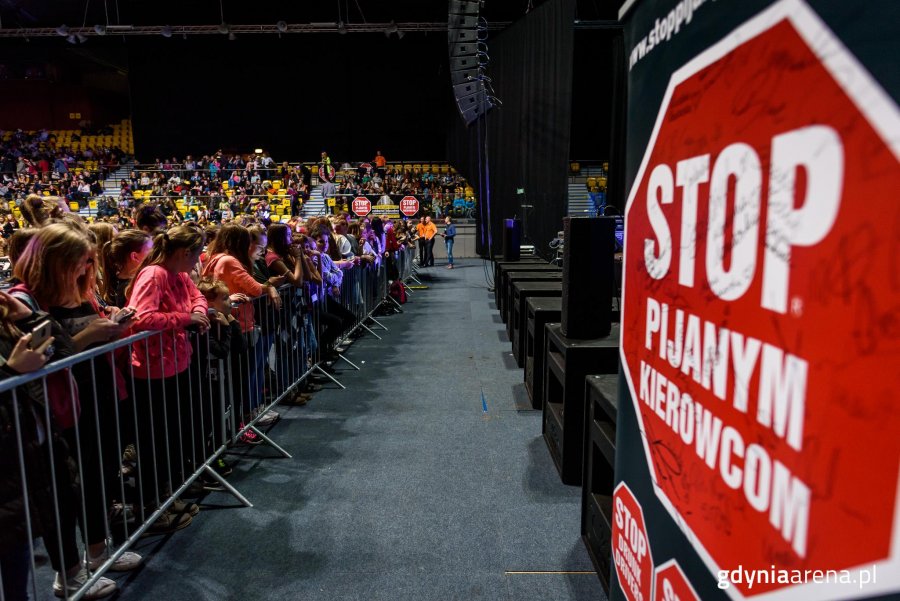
x: 315, y: 205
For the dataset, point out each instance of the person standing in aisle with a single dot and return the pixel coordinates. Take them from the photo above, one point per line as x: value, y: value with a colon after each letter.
x: 430, y: 233
x: 449, y: 234
x: 421, y: 241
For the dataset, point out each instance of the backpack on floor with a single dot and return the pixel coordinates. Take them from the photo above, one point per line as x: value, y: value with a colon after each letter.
x: 398, y: 292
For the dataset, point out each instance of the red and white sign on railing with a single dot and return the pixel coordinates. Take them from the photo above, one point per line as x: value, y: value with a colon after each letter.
x: 409, y: 205
x: 631, y: 546
x: 361, y: 206
x: 761, y: 293
x: 672, y: 585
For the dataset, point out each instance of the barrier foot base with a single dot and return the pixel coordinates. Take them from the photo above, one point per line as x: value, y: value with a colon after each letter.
x: 227, y: 486
x: 369, y: 330
x: 415, y: 279
x: 352, y: 364
x: 380, y: 325
x: 271, y: 442
x: 329, y: 376
x: 396, y: 304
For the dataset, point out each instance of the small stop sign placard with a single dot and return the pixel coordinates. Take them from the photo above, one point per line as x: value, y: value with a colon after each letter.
x: 760, y: 299
x: 672, y: 585
x: 361, y: 206
x: 409, y: 205
x: 631, y: 546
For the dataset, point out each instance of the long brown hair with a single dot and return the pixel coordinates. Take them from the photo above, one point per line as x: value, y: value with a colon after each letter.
x: 278, y: 241
x: 39, y: 210
x: 233, y: 240
x: 48, y: 262
x: 113, y: 257
x: 166, y: 244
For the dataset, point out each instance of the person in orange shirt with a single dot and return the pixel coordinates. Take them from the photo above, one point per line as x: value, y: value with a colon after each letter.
x: 420, y: 239
x: 430, y: 231
x: 380, y: 162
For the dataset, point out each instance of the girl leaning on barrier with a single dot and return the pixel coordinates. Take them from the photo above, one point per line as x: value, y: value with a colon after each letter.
x: 23, y: 417
x: 230, y: 260
x: 56, y: 274
x: 166, y: 301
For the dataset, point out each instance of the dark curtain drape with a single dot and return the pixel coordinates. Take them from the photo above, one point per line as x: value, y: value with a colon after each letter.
x: 524, y: 144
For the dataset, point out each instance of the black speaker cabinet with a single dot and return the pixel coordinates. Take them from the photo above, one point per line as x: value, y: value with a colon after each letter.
x: 568, y: 361
x: 520, y: 292
x: 500, y: 266
x: 598, y: 481
x: 539, y: 312
x: 512, y: 239
x: 588, y: 277
x: 524, y: 276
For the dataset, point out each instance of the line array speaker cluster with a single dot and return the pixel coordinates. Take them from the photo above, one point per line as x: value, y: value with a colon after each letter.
x: 467, y: 35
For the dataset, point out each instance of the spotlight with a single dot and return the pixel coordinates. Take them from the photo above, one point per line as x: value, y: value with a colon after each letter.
x: 281, y: 26
x: 81, y: 38
x: 166, y: 32
x: 392, y: 28
x: 71, y: 39
x: 223, y: 28
x: 400, y: 35
x: 342, y: 28
x: 62, y: 30
x: 232, y: 37
x: 100, y: 29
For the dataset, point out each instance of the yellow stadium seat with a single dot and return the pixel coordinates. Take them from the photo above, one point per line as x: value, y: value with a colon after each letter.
x: 46, y: 193
x: 276, y: 184
x: 92, y: 204
x: 285, y: 218
x: 74, y: 206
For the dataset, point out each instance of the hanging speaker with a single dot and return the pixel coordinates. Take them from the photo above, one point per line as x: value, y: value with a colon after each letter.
x: 464, y: 7
x: 463, y: 76
x: 462, y: 36
x: 588, y: 277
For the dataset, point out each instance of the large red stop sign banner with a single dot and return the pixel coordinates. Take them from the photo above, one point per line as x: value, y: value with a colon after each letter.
x: 760, y: 329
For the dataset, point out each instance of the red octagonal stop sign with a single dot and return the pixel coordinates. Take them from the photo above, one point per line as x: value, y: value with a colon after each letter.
x: 409, y: 205
x: 761, y: 293
x: 361, y: 206
x: 672, y: 585
x: 631, y: 546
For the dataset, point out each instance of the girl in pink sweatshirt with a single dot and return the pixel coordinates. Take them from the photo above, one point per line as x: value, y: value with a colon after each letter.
x: 167, y: 301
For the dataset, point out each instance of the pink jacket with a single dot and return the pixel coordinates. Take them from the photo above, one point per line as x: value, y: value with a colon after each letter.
x: 229, y: 270
x: 164, y: 302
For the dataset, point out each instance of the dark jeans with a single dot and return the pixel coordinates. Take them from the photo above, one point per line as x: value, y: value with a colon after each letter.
x: 335, y: 320
x: 165, y: 411
x: 15, y: 568
x: 429, y: 253
x: 95, y: 448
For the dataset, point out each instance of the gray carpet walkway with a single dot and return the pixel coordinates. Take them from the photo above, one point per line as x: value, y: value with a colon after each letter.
x: 400, y: 487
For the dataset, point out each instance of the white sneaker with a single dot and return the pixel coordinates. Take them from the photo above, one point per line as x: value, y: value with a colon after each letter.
x: 102, y: 588
x: 126, y: 562
x: 267, y: 419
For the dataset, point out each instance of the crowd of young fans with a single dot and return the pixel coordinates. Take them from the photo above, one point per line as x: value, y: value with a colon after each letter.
x: 35, y: 163
x: 98, y: 283
x: 213, y: 188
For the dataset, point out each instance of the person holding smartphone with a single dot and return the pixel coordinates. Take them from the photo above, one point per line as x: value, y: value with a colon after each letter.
x: 57, y: 271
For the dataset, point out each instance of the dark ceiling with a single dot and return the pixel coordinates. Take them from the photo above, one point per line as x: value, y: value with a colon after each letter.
x: 44, y: 13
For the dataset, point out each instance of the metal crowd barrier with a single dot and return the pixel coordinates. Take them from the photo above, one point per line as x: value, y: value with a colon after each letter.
x: 97, y: 448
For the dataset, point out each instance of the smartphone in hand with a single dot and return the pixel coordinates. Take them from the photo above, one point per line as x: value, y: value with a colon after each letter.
x: 40, y: 334
x: 124, y: 315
